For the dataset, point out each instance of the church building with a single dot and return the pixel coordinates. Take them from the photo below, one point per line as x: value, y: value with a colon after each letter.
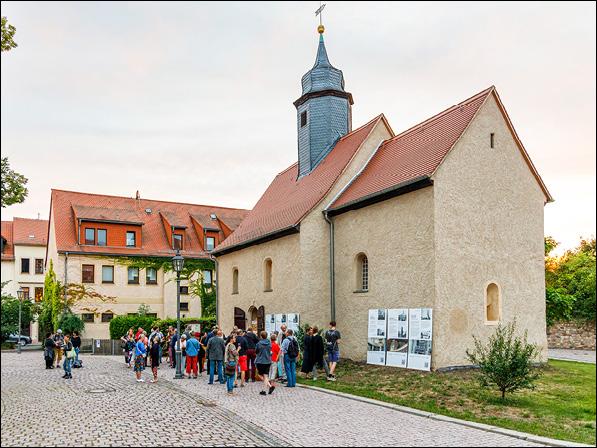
x: 446, y: 215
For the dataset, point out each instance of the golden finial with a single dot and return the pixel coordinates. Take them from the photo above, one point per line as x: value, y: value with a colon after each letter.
x: 319, y: 12
x: 320, y: 29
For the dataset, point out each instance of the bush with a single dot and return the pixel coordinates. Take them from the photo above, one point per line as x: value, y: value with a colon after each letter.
x: 206, y: 323
x: 70, y: 323
x: 121, y: 324
x: 558, y: 306
x: 506, y: 361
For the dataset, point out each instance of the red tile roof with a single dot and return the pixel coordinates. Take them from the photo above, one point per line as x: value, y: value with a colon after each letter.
x: 30, y: 232
x: 8, y: 253
x: 419, y: 151
x: 288, y: 199
x: 64, y: 205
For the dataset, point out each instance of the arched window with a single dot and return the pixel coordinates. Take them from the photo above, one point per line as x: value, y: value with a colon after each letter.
x: 493, y: 306
x: 235, y: 281
x: 362, y: 273
x: 267, y: 274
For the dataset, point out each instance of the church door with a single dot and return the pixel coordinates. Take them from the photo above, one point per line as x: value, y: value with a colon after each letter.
x: 240, y: 319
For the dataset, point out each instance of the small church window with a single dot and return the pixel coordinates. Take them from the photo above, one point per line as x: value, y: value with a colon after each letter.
x: 492, y: 304
x: 235, y: 281
x: 491, y: 140
x: 267, y: 275
x: 362, y: 277
x: 303, y: 118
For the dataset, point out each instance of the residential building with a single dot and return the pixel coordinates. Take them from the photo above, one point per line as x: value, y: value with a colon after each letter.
x: 23, y: 247
x: 111, y: 246
x: 446, y: 215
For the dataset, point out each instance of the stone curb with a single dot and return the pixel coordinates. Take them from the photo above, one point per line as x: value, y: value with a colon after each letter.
x: 584, y: 361
x: 488, y: 428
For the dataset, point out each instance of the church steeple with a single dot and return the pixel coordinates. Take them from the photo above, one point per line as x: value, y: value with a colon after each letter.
x: 323, y: 110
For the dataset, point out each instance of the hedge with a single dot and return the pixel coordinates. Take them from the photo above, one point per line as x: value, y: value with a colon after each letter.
x: 121, y: 324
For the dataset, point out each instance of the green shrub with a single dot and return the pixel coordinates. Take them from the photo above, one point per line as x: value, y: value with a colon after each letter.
x: 558, y: 305
x: 69, y: 323
x: 506, y: 361
x: 206, y: 323
x: 121, y: 324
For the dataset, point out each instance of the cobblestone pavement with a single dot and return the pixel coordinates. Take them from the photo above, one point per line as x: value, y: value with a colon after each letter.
x: 289, y: 417
x: 572, y: 355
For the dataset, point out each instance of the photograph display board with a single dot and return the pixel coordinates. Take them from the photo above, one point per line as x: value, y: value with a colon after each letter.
x: 293, y: 322
x: 281, y: 319
x: 397, y: 338
x: 376, y: 337
x: 420, y: 338
x: 270, y: 323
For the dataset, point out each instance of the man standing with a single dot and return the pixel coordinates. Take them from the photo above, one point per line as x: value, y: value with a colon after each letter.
x: 192, y: 353
x: 332, y: 337
x: 215, y: 350
x: 241, y: 345
x: 252, y: 341
x: 290, y: 351
x: 58, y: 342
x: 173, y: 340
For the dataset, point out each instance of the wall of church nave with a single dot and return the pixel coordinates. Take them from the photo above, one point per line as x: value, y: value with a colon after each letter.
x: 396, y: 235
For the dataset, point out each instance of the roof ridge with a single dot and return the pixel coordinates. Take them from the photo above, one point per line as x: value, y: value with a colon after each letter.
x: 287, y: 169
x: 361, y: 127
x: 147, y: 199
x: 444, y: 112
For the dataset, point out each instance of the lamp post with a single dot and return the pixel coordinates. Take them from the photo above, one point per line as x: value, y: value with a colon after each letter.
x: 177, y: 264
x: 21, y: 296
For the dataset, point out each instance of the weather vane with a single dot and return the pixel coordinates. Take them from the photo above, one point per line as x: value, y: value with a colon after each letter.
x: 319, y: 13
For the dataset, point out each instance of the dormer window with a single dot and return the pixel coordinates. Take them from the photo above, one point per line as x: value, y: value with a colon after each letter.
x: 2, y: 244
x: 90, y: 236
x: 131, y: 239
x: 102, y: 237
x: 210, y: 243
x: 177, y: 241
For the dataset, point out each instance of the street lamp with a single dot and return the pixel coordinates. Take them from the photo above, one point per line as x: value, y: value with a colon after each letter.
x: 21, y: 296
x: 177, y: 264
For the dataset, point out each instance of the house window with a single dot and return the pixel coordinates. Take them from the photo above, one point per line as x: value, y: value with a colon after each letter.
x: 267, y: 275
x: 39, y: 266
x: 235, y: 281
x: 303, y: 119
x: 130, y: 239
x: 491, y: 140
x: 492, y: 304
x: 362, y: 271
x: 102, y: 237
x: 133, y: 276
x: 154, y: 315
x: 184, y: 290
x: 88, y: 317
x: 177, y: 241
x: 151, y: 276
x: 107, y: 317
x: 39, y: 294
x: 207, y: 280
x: 107, y: 274
x: 210, y: 243
x: 2, y: 244
x: 89, y: 236
x: 24, y: 265
x: 184, y: 306
x: 25, y: 292
x: 88, y: 271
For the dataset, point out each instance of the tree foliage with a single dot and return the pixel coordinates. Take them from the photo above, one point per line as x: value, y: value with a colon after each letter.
x: 70, y: 323
x: 506, y: 361
x: 120, y: 324
x: 10, y: 314
x: 570, y: 282
x: 8, y: 33
x: 13, y: 188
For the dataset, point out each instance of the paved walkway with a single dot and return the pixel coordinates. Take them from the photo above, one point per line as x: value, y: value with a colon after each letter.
x: 572, y: 355
x: 110, y: 417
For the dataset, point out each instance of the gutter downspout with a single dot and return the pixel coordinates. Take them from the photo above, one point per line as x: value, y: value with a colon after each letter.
x: 332, y: 266
x: 65, y: 278
x: 217, y: 279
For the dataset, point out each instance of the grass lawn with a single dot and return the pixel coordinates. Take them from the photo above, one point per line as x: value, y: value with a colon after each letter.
x: 562, y: 406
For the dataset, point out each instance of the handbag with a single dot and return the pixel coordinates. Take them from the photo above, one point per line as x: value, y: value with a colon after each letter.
x: 71, y: 353
x: 230, y: 368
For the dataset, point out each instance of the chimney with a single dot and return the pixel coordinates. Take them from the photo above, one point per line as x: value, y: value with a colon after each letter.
x: 137, y: 195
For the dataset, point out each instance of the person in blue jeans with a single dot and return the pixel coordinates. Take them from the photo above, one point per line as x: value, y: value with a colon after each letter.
x: 231, y: 362
x: 215, y: 350
x: 290, y: 350
x: 67, y: 346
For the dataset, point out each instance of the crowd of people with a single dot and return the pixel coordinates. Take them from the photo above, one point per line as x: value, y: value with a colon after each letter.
x: 236, y: 358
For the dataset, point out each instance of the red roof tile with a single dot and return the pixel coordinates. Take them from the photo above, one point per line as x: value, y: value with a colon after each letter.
x: 107, y: 214
x: 154, y: 239
x: 288, y: 199
x: 30, y: 232
x: 8, y: 253
x: 415, y: 152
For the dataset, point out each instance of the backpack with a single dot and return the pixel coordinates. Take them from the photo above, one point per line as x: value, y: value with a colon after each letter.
x: 293, y: 348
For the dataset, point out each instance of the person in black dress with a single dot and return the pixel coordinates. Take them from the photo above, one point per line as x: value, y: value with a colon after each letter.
x: 307, y: 349
x: 155, y: 358
x: 49, y: 351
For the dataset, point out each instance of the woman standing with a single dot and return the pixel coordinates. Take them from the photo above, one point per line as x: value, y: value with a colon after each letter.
x: 231, y: 359
x: 201, y: 360
x: 128, y: 344
x: 307, y: 355
x: 49, y: 351
x: 69, y: 356
x: 263, y: 361
x: 183, y: 356
x: 317, y: 354
x: 76, y: 340
x: 155, y: 358
x: 140, y: 353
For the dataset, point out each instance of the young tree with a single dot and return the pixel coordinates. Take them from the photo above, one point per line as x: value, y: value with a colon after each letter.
x: 13, y: 190
x: 506, y: 361
x: 8, y: 32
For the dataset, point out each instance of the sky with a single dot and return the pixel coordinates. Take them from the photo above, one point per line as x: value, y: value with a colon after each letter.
x: 192, y: 102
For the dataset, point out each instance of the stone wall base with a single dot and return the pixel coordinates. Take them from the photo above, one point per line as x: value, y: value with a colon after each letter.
x: 572, y: 335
